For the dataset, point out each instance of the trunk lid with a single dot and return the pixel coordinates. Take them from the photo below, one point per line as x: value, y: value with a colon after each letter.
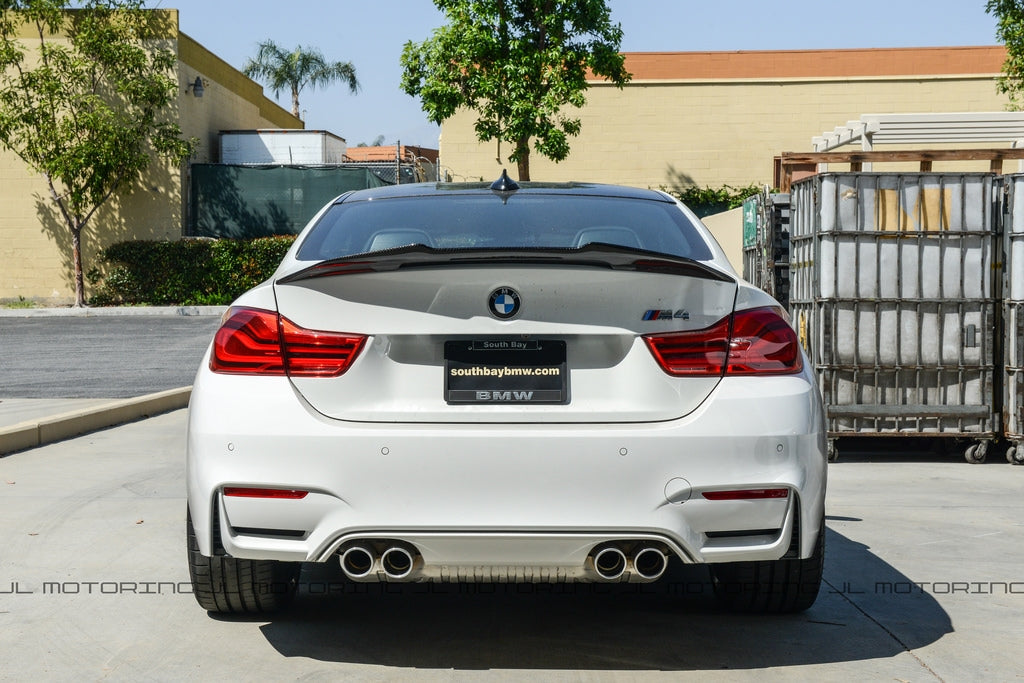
x: 571, y: 351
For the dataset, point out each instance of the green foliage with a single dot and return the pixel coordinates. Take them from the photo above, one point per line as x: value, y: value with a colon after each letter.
x: 705, y: 201
x: 517, y: 63
x: 293, y: 71
x: 185, y: 272
x: 89, y: 112
x: 1009, y: 16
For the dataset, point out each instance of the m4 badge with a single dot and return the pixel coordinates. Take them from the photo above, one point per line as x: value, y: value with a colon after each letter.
x: 667, y: 314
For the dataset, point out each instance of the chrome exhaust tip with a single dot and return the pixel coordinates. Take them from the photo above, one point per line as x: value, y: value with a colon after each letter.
x: 610, y: 563
x: 357, y: 562
x: 650, y: 563
x: 397, y: 562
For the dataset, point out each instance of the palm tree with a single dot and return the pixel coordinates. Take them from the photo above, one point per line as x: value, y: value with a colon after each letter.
x: 296, y: 69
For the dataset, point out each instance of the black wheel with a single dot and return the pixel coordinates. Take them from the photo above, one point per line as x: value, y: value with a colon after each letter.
x: 781, y: 586
x: 235, y: 586
x: 1015, y: 454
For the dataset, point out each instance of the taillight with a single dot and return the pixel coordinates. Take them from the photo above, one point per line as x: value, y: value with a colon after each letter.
x: 763, y: 343
x: 309, y: 353
x: 758, y: 341
x: 700, y: 353
x: 248, y: 343
x: 253, y: 341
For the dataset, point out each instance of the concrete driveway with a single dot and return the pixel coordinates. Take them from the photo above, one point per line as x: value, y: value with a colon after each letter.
x: 923, y: 582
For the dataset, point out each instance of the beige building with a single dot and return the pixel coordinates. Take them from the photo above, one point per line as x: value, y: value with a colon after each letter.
x: 714, y: 118
x: 34, y: 244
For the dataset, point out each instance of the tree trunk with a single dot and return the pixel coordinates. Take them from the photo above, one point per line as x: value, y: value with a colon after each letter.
x: 295, y: 102
x: 76, y: 257
x: 523, y: 156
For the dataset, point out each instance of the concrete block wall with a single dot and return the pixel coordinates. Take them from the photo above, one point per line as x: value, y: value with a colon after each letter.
x: 721, y: 118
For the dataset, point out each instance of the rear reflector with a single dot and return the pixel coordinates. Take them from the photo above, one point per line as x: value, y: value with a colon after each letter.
x: 757, y: 341
x: 746, y: 494
x: 243, y: 492
x: 249, y: 342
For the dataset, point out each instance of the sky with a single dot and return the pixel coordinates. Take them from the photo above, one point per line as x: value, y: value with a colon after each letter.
x: 371, y: 33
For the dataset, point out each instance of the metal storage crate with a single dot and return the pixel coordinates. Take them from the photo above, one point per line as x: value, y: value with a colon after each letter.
x: 1013, y: 319
x: 766, y: 243
x: 894, y: 296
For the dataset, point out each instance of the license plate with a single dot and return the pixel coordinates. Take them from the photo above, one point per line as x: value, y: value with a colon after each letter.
x: 505, y: 371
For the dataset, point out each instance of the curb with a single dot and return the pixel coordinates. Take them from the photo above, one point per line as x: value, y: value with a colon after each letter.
x: 33, y: 433
x: 112, y: 310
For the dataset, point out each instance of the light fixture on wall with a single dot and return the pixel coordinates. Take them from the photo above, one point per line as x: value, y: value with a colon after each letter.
x: 196, y: 87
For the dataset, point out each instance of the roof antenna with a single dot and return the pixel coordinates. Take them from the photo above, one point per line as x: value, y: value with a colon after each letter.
x: 504, y: 183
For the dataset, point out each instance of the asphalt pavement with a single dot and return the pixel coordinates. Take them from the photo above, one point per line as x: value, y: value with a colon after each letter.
x: 67, y: 371
x: 923, y: 582
x: 102, y: 353
x: 923, y: 564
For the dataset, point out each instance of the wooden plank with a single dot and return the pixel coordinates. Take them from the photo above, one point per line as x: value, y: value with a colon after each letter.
x: 787, y: 161
x: 794, y: 158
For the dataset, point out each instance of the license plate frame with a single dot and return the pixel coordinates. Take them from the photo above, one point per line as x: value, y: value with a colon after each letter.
x: 506, y: 371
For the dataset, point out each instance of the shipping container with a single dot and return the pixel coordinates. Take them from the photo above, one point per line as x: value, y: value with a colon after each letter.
x: 284, y: 147
x: 895, y: 297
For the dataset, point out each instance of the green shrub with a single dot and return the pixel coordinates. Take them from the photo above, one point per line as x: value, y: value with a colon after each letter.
x: 705, y: 201
x: 191, y: 272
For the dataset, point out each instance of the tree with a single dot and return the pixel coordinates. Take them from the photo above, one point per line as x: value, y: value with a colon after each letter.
x: 1009, y: 16
x: 517, y: 63
x: 377, y: 142
x: 297, y: 69
x: 87, y: 108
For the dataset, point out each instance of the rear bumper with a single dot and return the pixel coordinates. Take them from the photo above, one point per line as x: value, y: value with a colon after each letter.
x: 525, y: 501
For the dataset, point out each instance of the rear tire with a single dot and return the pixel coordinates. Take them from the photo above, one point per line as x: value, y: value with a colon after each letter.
x: 773, y: 587
x: 234, y: 586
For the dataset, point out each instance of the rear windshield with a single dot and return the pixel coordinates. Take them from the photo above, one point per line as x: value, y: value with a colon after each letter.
x: 487, y: 222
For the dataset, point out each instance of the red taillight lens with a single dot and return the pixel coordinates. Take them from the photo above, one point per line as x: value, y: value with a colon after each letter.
x: 249, y: 342
x: 763, y: 343
x: 309, y: 353
x: 758, y: 341
x: 700, y: 353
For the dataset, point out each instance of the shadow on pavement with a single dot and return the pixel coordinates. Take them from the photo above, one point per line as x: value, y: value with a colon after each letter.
x: 866, y: 610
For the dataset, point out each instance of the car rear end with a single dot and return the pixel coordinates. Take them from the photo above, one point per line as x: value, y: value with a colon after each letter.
x: 575, y: 395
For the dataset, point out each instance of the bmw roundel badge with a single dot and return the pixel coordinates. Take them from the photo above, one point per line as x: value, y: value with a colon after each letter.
x: 504, y: 303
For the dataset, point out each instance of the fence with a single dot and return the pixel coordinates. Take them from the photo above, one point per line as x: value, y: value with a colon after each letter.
x: 259, y: 201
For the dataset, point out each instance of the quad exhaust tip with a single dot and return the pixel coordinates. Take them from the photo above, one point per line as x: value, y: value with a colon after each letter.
x: 393, y: 561
x: 650, y: 563
x: 646, y: 562
x: 397, y: 562
x: 361, y: 562
x: 357, y: 561
x: 610, y: 563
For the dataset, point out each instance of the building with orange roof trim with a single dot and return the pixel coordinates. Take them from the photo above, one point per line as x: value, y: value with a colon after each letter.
x: 716, y: 118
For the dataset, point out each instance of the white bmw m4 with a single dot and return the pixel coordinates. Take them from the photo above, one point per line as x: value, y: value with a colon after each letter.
x: 503, y: 382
